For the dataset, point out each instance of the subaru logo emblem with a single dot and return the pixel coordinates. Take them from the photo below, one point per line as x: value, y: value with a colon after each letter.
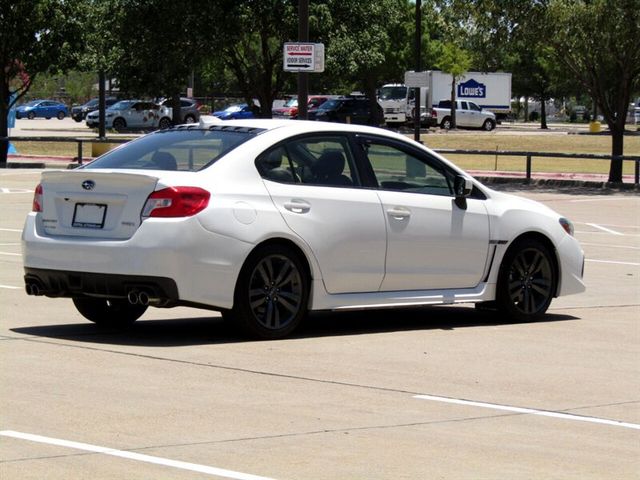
x: 88, y: 184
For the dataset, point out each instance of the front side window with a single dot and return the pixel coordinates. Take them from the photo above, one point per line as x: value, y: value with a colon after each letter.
x: 400, y: 170
x: 181, y: 149
x: 312, y: 160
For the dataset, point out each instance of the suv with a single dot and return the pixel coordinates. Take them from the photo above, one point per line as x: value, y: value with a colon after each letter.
x: 80, y: 112
x: 189, y: 109
x: 346, y: 110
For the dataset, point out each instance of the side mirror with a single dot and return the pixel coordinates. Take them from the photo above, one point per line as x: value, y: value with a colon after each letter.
x: 462, y: 186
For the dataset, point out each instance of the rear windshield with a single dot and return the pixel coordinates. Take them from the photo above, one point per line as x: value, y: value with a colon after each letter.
x: 180, y: 149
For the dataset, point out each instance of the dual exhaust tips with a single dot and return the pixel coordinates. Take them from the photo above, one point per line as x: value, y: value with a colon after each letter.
x: 141, y: 297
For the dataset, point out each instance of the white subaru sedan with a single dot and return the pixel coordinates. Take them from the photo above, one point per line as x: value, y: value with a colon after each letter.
x: 265, y: 220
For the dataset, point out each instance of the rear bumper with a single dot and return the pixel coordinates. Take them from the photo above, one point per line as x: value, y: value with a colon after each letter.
x: 60, y: 283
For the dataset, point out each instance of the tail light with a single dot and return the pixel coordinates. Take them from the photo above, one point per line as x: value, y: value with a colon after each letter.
x: 434, y: 114
x: 37, y: 199
x: 176, y: 202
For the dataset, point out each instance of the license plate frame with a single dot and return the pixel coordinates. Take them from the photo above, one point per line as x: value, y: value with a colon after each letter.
x: 89, y: 215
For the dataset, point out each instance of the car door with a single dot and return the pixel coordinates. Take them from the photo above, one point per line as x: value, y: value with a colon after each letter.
x: 314, y: 185
x: 432, y: 243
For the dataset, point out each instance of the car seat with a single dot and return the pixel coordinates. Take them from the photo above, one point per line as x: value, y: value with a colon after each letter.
x: 164, y: 161
x: 329, y: 167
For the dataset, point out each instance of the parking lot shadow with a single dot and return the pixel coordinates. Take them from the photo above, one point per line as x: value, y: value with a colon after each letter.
x: 212, y: 330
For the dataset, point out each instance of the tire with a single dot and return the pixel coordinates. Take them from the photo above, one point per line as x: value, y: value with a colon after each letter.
x: 164, y: 123
x: 271, y: 294
x: 446, y: 123
x: 119, y: 124
x: 527, y: 281
x: 31, y: 115
x: 111, y: 312
x: 60, y: 115
x: 488, y: 125
x: 189, y: 119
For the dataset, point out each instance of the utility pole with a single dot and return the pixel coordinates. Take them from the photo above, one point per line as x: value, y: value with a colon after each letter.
x: 303, y: 77
x: 418, y: 68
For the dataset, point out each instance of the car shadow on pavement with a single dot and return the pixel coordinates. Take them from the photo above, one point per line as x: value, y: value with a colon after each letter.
x: 212, y: 330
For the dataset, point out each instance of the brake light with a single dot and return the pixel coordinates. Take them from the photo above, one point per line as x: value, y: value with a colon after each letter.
x: 37, y: 199
x: 176, y: 202
x: 434, y: 114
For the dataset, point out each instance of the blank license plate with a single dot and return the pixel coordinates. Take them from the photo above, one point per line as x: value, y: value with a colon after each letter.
x: 89, y: 215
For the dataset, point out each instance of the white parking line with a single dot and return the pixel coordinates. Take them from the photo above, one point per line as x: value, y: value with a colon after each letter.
x: 194, y: 467
x: 9, y: 287
x: 11, y: 254
x: 628, y: 247
x: 532, y: 411
x: 10, y: 230
x: 613, y: 262
x: 604, y: 229
x: 602, y: 199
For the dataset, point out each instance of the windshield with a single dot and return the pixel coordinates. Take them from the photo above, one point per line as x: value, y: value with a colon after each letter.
x: 330, y: 105
x: 32, y: 103
x: 235, y: 108
x: 180, y: 149
x: 393, y: 93
x: 122, y: 105
x: 292, y: 102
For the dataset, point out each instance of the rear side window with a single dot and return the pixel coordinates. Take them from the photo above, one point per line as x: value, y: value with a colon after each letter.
x: 180, y: 149
x: 313, y: 160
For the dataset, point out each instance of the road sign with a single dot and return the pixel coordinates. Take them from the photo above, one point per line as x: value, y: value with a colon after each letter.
x: 416, y: 79
x: 303, y: 57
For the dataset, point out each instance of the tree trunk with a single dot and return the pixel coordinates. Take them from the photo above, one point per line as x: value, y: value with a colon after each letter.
x: 526, y: 109
x: 543, y: 114
x: 377, y: 115
x: 176, y: 115
x: 4, y: 130
x: 617, y: 150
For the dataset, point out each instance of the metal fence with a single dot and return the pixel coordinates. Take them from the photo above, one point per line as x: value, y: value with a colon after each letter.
x: 529, y: 156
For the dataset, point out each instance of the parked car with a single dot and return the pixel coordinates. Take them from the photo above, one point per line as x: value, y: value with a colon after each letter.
x: 345, y: 110
x: 80, y: 112
x: 42, y: 108
x: 234, y: 112
x: 265, y: 220
x: 468, y: 115
x: 133, y: 114
x: 189, y: 109
x: 290, y: 108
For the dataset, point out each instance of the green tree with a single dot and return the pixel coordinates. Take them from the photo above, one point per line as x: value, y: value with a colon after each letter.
x: 38, y: 36
x: 160, y: 43
x: 597, y: 40
x: 456, y: 62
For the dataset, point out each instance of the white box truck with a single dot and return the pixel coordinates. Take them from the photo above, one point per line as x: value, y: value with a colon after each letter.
x: 490, y: 91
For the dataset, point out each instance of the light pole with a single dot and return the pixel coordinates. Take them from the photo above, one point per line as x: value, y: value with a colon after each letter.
x: 303, y: 77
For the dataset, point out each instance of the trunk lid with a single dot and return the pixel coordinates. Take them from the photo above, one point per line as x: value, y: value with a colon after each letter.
x: 90, y: 203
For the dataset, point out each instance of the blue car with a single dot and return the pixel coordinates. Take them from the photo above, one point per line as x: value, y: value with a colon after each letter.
x: 42, y: 108
x: 233, y: 112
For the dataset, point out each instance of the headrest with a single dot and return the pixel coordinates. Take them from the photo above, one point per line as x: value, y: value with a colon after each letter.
x: 164, y: 161
x: 330, y: 164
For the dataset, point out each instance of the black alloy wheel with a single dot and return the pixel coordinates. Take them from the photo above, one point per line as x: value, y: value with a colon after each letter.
x: 119, y: 124
x: 272, y: 293
x: 527, y: 281
x: 109, y: 312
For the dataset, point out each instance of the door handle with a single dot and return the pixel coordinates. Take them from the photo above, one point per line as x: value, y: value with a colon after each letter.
x: 297, y: 206
x: 399, y: 213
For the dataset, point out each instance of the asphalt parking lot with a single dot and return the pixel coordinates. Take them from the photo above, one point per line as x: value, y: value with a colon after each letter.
x: 441, y: 392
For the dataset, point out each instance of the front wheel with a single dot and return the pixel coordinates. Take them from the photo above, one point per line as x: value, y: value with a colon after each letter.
x: 60, y: 115
x: 109, y: 312
x: 164, y: 123
x: 31, y: 115
x: 488, y: 125
x: 527, y: 281
x: 119, y: 124
x: 272, y: 293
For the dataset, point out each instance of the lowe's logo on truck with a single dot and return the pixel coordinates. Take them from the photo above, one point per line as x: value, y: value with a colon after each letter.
x: 472, y: 89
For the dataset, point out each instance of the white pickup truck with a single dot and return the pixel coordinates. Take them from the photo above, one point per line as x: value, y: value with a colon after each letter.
x: 468, y: 115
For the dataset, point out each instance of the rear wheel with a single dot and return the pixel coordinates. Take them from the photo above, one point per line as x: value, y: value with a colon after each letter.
x: 60, y: 115
x: 271, y: 294
x: 527, y: 281
x: 164, y: 123
x: 111, y: 312
x: 446, y: 123
x: 189, y: 119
